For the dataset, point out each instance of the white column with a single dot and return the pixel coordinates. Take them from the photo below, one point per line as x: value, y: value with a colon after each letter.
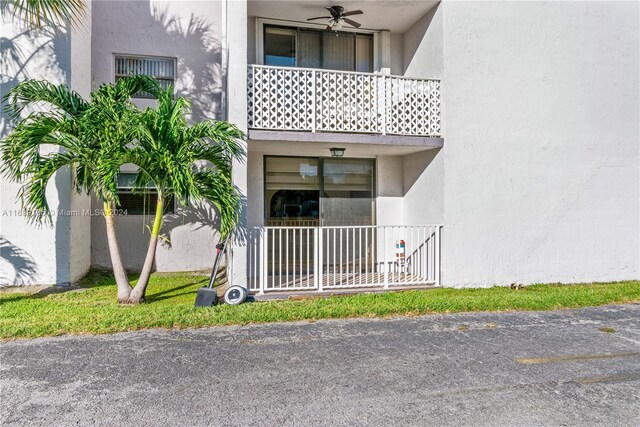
x: 80, y: 204
x: 235, y: 51
x: 384, y: 52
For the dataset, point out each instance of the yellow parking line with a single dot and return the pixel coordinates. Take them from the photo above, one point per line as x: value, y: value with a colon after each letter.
x: 556, y: 359
x: 607, y: 378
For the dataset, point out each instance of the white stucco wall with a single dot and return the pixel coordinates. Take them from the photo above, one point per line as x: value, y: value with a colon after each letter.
x: 191, y: 32
x: 235, y: 13
x: 423, y: 180
x: 541, y: 142
x: 389, y: 190
x: 255, y: 189
x: 423, y: 46
x: 423, y: 173
x: 396, y: 54
x: 80, y: 225
x: 251, y: 39
x: 188, y: 241
x: 30, y: 254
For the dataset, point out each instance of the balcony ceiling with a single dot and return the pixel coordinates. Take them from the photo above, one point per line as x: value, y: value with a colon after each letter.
x: 393, y: 15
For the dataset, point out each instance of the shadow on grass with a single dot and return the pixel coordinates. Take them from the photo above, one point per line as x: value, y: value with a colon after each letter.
x: 157, y: 296
x: 95, y: 279
x: 101, y: 278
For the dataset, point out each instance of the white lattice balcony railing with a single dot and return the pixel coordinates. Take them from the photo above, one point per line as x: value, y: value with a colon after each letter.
x: 305, y: 99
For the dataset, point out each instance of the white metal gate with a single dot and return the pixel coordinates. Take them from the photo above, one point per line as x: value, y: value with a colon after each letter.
x: 323, y: 258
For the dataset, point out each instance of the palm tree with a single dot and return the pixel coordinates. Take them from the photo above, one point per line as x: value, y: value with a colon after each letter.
x: 90, y: 137
x: 39, y: 13
x: 190, y: 163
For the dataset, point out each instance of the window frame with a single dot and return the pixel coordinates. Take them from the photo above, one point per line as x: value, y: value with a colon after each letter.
x: 266, y: 203
x: 142, y: 95
x: 322, y: 33
x: 297, y: 40
x: 262, y: 22
x: 170, y: 202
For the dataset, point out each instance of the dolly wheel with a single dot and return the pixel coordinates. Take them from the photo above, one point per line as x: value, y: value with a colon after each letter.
x: 235, y: 295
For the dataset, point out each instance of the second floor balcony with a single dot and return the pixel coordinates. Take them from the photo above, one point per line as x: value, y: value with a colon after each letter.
x: 320, y: 100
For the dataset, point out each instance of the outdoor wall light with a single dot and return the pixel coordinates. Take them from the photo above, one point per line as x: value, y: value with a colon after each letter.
x: 336, y: 152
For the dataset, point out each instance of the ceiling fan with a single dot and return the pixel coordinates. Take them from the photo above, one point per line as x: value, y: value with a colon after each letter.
x: 338, y: 18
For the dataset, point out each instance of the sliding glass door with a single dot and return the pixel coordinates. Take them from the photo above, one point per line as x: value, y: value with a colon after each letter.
x: 308, y: 48
x: 347, y: 192
x: 292, y: 191
x: 310, y: 191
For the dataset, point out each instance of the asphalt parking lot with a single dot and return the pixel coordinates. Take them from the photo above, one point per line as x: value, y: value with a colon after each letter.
x: 571, y: 367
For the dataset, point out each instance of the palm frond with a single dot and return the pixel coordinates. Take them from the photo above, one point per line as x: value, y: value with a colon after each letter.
x: 225, y: 197
x: 35, y: 91
x: 38, y: 13
x: 29, y: 135
x: 33, y: 192
x: 126, y: 87
x: 218, y: 132
x: 94, y: 136
x: 106, y: 170
x: 215, y: 155
x: 191, y: 163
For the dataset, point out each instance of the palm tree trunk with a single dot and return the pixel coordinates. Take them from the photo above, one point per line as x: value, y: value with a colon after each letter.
x: 137, y: 294
x: 124, y: 288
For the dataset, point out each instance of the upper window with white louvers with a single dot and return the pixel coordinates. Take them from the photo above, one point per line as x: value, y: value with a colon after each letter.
x: 161, y: 69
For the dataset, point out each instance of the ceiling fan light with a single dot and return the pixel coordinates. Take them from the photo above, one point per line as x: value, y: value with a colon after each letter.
x: 337, y: 20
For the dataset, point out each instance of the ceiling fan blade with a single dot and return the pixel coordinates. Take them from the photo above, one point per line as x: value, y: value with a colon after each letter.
x: 352, y: 23
x: 320, y: 17
x: 353, y: 12
x: 329, y: 28
x: 334, y: 10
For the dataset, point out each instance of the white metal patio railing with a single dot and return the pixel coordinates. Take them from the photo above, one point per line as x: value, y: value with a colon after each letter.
x: 324, y: 258
x: 306, y: 99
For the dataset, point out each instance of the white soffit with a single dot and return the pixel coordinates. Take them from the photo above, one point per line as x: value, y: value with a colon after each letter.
x: 395, y: 16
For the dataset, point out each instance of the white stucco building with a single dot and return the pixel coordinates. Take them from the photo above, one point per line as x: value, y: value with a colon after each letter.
x: 499, y: 141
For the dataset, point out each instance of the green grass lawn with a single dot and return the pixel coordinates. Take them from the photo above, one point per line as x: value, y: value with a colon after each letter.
x: 92, y: 309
